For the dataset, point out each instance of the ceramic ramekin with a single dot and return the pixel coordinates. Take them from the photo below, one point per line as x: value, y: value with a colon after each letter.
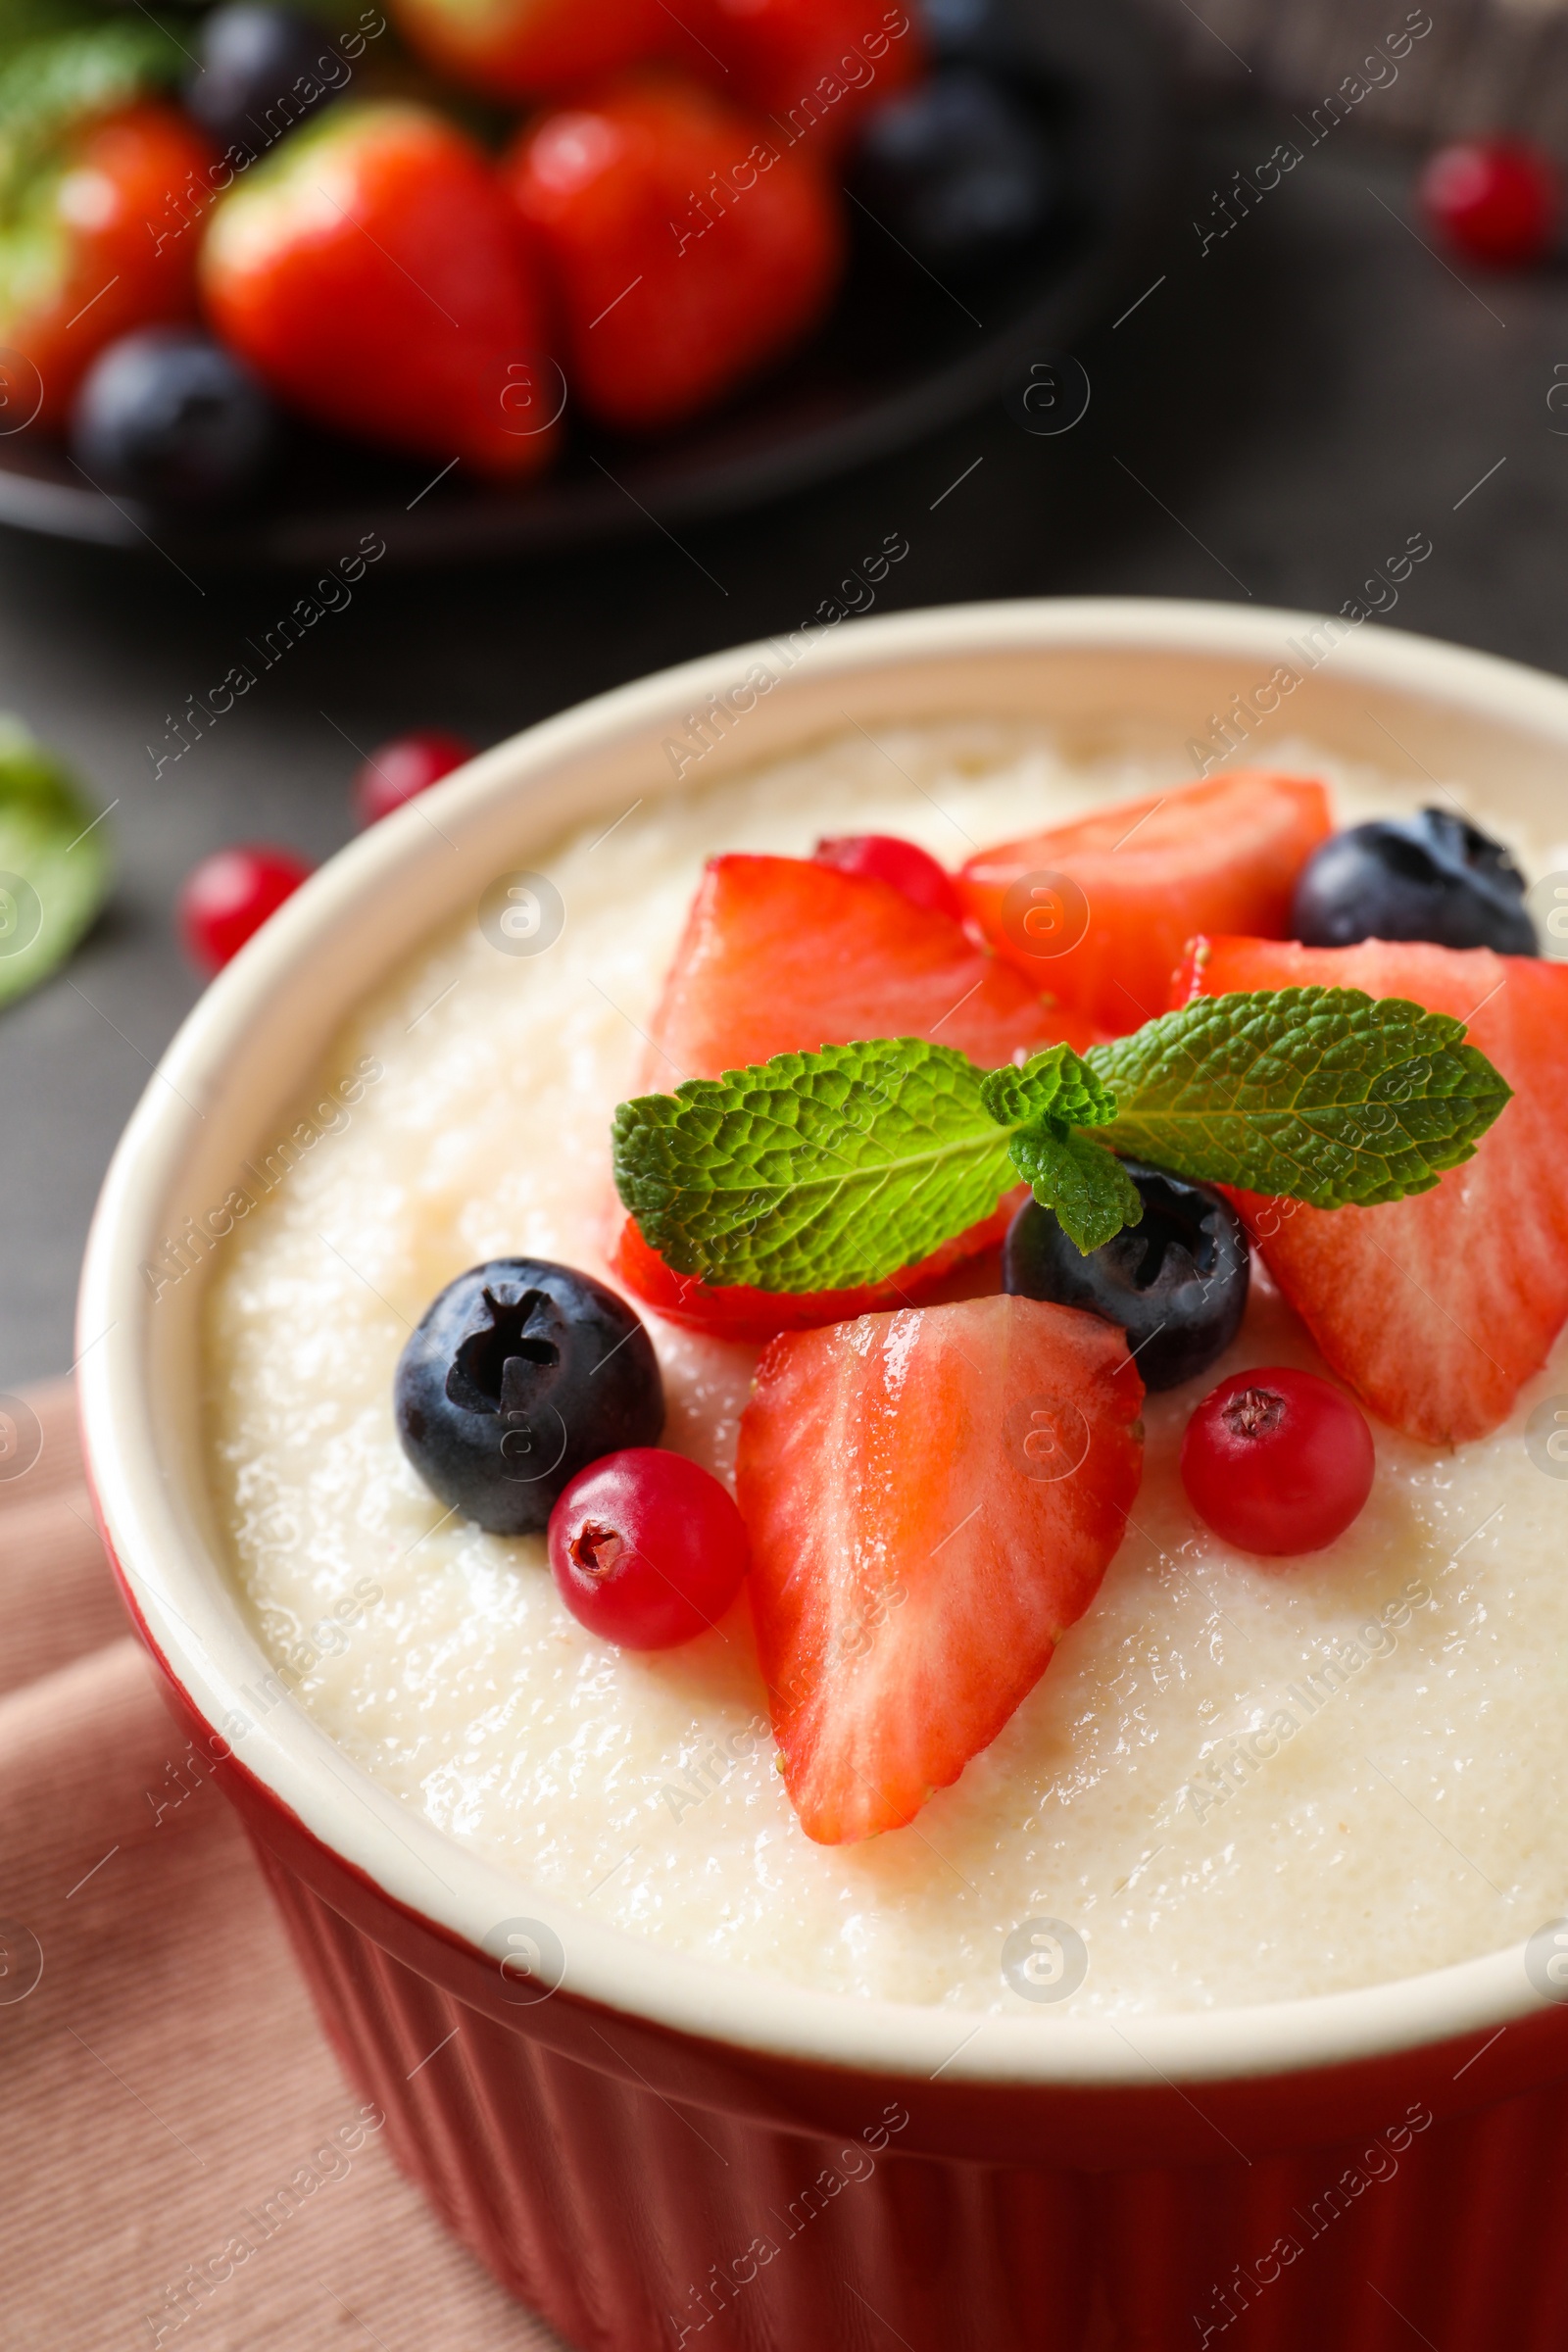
x: 656, y: 2151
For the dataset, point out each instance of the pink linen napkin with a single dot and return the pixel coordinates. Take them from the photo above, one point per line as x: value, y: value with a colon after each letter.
x: 184, y: 2162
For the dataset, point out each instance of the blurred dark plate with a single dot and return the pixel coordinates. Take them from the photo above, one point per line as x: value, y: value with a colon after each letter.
x: 900, y: 358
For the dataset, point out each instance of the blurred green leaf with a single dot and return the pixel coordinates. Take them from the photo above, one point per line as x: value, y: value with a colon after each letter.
x: 25, y: 21
x: 54, y: 861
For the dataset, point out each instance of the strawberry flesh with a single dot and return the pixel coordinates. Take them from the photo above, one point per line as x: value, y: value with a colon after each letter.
x: 1436, y: 1308
x: 932, y: 1498
x: 782, y: 954
x: 1220, y: 855
x: 735, y: 1311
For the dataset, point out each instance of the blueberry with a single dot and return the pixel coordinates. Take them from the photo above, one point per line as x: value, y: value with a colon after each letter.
x: 958, y: 170
x: 972, y: 31
x: 257, y: 75
x: 169, y: 415
x: 1432, y: 876
x: 1176, y: 1284
x: 520, y: 1374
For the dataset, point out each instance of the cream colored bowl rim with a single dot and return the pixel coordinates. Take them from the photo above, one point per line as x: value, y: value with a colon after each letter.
x: 190, y: 1616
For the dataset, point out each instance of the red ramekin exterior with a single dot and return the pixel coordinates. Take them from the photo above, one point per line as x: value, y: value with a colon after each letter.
x: 648, y: 2184
x: 636, y: 2218
x: 644, y: 2190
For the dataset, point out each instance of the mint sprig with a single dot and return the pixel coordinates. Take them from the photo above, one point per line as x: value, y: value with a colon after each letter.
x: 835, y: 1169
x: 1321, y: 1093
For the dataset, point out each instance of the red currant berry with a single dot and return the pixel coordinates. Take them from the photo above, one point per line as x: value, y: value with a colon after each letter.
x: 1277, y: 1461
x: 909, y: 870
x: 1496, y: 200
x: 401, y: 770
x: 229, y: 896
x: 646, y: 1549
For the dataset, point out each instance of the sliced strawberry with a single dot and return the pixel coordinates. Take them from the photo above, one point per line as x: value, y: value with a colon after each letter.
x: 932, y: 1498
x: 1437, y: 1308
x: 1145, y: 876
x: 731, y: 1311
x: 782, y: 954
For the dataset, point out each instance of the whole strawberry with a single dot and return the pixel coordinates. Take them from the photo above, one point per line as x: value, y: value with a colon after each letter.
x: 813, y: 66
x: 524, y: 48
x: 105, y: 240
x: 688, y: 244
x: 372, y: 274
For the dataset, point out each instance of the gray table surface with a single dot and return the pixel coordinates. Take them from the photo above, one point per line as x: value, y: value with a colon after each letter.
x: 1271, y: 420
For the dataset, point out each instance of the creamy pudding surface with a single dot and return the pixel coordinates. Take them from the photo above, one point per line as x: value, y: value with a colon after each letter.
x: 1238, y: 1782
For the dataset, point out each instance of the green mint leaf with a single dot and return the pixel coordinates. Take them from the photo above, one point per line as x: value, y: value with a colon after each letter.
x: 54, y: 863
x: 1090, y: 1191
x: 1055, y: 1085
x: 1324, y: 1093
x: 1054, y: 1093
x: 826, y: 1171
x: 813, y: 1171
